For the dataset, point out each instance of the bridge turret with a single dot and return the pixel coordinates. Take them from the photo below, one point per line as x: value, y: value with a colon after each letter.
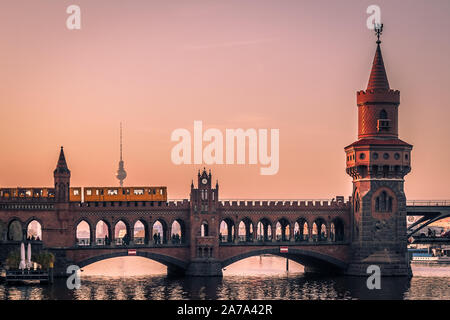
x: 378, y: 162
x: 62, y: 179
x: 204, y: 226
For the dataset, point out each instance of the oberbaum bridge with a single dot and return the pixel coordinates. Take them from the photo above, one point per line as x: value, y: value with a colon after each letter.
x: 339, y: 236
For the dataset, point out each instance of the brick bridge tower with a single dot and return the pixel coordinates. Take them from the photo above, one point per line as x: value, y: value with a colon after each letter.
x: 57, y: 231
x: 378, y: 162
x: 204, y: 226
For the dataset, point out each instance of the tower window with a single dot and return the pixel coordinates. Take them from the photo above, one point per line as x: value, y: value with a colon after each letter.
x: 383, y: 203
x: 375, y: 156
x: 362, y: 156
x: 386, y: 156
x: 383, y: 123
x: 397, y: 156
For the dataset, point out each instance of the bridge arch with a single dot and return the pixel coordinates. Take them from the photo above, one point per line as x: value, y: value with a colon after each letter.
x: 173, y: 264
x: 310, y: 259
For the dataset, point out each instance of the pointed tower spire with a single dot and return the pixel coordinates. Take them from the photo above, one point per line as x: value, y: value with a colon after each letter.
x: 61, y: 166
x: 121, y: 173
x: 378, y: 78
x: 61, y: 177
x: 378, y: 105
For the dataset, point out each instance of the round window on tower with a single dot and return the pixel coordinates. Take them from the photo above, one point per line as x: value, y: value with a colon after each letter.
x: 386, y: 156
x: 397, y: 156
x: 375, y: 155
x: 362, y: 156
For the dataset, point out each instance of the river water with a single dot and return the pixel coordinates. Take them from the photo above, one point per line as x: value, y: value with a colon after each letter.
x: 253, y: 278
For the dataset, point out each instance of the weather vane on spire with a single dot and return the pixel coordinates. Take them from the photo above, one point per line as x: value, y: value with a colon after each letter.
x: 378, y: 27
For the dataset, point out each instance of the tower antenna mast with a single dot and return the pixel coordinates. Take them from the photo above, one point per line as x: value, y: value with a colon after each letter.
x: 121, y: 173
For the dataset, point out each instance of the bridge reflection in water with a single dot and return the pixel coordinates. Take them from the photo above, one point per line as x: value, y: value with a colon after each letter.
x: 273, y: 286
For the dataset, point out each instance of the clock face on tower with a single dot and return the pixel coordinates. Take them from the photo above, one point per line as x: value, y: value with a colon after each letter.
x: 204, y: 181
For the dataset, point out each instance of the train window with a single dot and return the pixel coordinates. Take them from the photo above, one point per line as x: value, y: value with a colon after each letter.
x: 160, y: 191
x: 138, y: 191
x: 96, y: 192
x: 88, y: 192
x: 76, y: 192
x: 112, y: 192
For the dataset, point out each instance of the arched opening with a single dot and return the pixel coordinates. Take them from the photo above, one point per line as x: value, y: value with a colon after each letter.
x: 301, y: 231
x: 121, y: 234
x: 245, y: 230
x: 120, y: 263
x: 140, y: 234
x: 178, y: 232
x: 126, y: 266
x: 204, y: 229
x: 312, y: 260
x: 226, y: 231
x: 383, y: 114
x: 383, y: 203
x: 264, y: 230
x: 2, y: 231
x: 15, y: 231
x: 337, y: 230
x: 263, y: 265
x: 357, y: 202
x: 319, y: 230
x: 159, y: 232
x: 34, y: 231
x: 83, y: 234
x: 282, y: 230
x: 102, y: 234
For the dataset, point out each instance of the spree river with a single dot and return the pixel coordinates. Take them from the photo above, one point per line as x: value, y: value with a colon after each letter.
x: 253, y: 278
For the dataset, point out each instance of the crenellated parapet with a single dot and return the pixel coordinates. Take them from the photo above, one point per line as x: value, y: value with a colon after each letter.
x: 368, y: 96
x: 284, y: 205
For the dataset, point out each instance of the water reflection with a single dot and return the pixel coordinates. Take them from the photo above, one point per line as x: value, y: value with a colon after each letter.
x: 240, y: 284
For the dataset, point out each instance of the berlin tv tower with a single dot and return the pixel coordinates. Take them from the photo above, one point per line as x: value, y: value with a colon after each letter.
x: 121, y: 173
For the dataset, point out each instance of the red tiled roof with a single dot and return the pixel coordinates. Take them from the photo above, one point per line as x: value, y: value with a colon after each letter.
x: 379, y: 142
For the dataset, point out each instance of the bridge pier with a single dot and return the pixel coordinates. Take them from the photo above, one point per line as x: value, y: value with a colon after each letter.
x: 204, y: 268
x: 390, y: 264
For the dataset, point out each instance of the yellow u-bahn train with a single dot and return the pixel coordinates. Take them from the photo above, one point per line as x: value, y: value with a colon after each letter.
x: 90, y: 194
x: 8, y: 193
x: 94, y: 194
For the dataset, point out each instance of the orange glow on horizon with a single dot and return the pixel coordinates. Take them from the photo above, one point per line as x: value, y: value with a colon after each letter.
x: 158, y: 66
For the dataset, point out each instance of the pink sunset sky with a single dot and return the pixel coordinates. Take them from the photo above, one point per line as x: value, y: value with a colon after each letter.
x: 159, y: 65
